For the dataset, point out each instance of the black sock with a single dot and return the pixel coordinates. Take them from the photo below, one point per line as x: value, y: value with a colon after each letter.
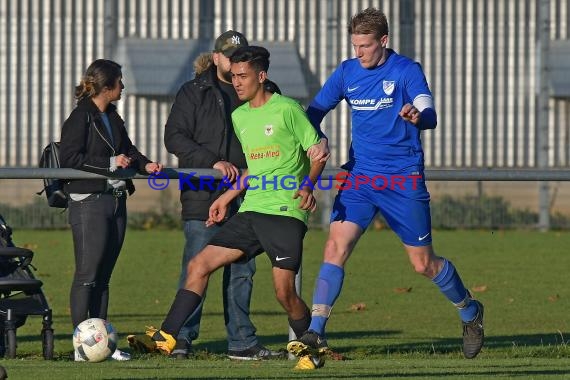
x: 299, y: 326
x: 184, y: 304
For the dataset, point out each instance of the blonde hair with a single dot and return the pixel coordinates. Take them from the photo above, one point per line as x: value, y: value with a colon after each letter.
x: 100, y: 74
x: 369, y: 21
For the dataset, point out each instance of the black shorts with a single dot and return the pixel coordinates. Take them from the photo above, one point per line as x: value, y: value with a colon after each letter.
x: 281, y: 237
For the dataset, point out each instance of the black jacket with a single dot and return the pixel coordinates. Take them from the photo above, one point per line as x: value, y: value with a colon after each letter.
x: 85, y: 145
x: 199, y: 133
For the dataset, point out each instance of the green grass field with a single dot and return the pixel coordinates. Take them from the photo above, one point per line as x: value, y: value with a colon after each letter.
x: 404, y: 328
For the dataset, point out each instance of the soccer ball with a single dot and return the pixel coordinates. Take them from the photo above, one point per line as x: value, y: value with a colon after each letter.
x: 95, y: 339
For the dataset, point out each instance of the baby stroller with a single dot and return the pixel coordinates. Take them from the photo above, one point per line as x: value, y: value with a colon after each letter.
x: 20, y: 296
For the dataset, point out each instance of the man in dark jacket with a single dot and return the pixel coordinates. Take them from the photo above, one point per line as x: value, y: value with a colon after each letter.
x: 199, y: 132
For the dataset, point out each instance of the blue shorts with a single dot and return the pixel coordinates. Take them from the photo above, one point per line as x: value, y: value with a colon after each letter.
x: 403, y: 200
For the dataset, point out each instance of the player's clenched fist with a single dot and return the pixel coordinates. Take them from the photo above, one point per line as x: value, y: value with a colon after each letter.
x: 410, y: 113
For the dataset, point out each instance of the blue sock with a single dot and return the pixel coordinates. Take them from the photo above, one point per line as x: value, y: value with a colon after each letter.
x: 327, y: 290
x: 452, y: 287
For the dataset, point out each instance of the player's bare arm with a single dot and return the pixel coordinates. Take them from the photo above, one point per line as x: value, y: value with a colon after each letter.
x: 219, y: 208
x: 308, y: 201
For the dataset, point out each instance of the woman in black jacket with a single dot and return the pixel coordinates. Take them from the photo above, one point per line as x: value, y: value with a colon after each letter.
x: 94, y: 139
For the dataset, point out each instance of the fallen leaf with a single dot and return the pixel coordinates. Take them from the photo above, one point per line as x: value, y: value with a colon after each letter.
x: 554, y: 298
x: 402, y: 290
x: 358, y: 306
x: 479, y: 288
x: 336, y: 355
x: 378, y: 225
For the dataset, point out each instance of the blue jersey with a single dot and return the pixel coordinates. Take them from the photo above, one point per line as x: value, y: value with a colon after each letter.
x: 381, y: 140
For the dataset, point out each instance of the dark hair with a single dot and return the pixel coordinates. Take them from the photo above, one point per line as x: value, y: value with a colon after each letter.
x: 100, y: 74
x: 369, y: 21
x: 256, y: 56
x: 271, y: 87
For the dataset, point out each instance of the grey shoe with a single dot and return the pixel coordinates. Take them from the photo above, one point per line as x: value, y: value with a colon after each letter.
x: 257, y: 352
x: 310, y: 343
x: 473, y: 334
x: 182, y: 350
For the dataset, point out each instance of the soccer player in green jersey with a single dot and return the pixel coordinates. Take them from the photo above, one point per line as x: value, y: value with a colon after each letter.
x: 275, y: 135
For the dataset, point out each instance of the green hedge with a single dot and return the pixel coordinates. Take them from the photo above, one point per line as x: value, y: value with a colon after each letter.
x: 35, y: 215
x: 486, y: 212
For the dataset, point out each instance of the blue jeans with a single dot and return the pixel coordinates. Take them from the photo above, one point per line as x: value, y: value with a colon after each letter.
x: 237, y: 287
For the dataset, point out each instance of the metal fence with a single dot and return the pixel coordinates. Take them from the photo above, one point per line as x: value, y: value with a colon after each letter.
x: 480, y: 57
x: 476, y: 198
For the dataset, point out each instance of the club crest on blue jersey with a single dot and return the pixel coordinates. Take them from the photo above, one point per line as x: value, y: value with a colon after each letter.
x: 388, y: 86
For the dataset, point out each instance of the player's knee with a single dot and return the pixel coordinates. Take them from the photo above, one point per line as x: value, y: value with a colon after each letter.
x: 333, y: 251
x: 281, y: 295
x: 421, y: 268
x: 423, y: 260
x: 331, y: 246
x: 196, y: 268
x: 428, y: 269
x: 89, y: 284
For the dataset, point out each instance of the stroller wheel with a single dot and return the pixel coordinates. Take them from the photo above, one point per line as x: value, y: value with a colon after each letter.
x: 10, y: 343
x: 47, y: 343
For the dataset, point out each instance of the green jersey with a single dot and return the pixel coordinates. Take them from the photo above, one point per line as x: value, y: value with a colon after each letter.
x: 275, y: 138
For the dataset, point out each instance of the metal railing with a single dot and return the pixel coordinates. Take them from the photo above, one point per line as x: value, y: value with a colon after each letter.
x: 451, y: 174
x: 476, y: 211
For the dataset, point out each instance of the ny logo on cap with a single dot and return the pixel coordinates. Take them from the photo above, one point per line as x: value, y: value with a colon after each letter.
x: 235, y: 40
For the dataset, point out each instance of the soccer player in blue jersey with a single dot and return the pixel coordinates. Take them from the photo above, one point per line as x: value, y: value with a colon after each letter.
x: 390, y: 103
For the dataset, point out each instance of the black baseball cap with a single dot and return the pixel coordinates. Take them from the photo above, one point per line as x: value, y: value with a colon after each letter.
x: 228, y: 42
